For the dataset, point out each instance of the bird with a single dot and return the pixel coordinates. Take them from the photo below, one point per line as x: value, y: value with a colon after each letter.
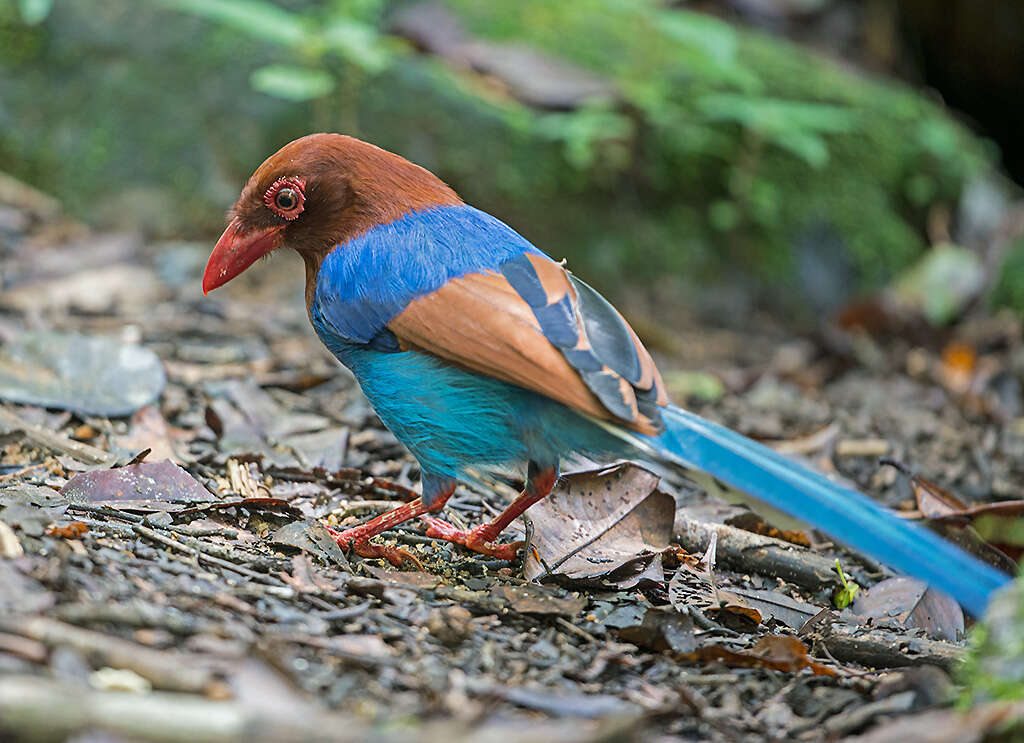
x: 482, y: 353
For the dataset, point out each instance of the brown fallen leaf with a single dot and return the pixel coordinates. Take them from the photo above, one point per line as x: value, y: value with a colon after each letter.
x: 311, y: 537
x: 777, y: 652
x: 959, y: 363
x: 412, y: 578
x: 990, y: 531
x: 910, y: 603
x: 597, y: 521
x: 774, y: 605
x: 661, y: 630
x: 152, y: 485
x: 733, y: 612
x: 531, y: 599
x: 933, y: 500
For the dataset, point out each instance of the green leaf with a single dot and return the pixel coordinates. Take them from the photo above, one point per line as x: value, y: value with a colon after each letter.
x: 34, y: 11
x: 292, y: 83
x: 777, y: 115
x: 845, y: 595
x: 809, y: 147
x: 359, y: 43
x: 795, y: 126
x: 581, y: 131
x: 939, y: 138
x: 714, y: 46
x: 262, y: 20
x: 715, y: 38
x: 724, y: 216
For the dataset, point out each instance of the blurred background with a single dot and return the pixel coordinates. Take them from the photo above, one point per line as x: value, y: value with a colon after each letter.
x: 798, y: 154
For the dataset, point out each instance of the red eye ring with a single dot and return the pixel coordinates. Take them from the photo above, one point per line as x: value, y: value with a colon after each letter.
x: 287, y: 197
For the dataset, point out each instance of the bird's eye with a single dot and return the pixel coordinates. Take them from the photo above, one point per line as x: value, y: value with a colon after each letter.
x: 286, y: 199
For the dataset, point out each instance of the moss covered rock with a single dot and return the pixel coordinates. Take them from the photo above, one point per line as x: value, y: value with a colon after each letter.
x: 728, y: 152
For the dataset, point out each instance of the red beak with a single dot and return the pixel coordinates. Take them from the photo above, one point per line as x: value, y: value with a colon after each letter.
x: 237, y: 250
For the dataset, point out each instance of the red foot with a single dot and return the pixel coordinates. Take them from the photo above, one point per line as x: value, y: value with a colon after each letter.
x: 479, y: 539
x: 362, y: 546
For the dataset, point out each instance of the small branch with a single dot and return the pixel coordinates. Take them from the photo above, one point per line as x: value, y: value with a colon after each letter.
x: 36, y: 709
x: 878, y: 648
x: 165, y: 670
x: 55, y: 441
x: 745, y: 551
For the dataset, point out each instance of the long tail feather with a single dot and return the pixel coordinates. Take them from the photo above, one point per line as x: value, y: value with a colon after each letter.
x: 844, y: 514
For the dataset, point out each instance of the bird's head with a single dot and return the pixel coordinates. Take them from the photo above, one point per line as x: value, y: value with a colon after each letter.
x: 316, y: 193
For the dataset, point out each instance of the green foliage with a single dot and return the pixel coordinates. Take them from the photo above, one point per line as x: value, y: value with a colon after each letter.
x: 292, y: 83
x: 847, y: 590
x: 994, y: 667
x: 794, y: 126
x: 1009, y: 291
x: 255, y: 18
x: 35, y: 11
x: 770, y: 138
x: 328, y: 36
x: 727, y: 152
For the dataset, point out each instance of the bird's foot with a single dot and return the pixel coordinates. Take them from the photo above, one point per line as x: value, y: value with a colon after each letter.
x: 479, y: 539
x: 362, y: 546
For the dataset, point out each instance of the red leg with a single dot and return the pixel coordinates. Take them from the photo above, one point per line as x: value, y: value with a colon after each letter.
x: 482, y: 538
x: 358, y: 537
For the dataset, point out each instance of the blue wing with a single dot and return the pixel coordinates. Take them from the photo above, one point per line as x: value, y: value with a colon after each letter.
x: 461, y: 285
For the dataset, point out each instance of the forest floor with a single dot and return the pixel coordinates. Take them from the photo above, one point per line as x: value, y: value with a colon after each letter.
x: 190, y: 593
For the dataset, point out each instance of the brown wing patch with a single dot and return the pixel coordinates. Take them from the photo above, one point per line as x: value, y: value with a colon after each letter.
x: 481, y: 323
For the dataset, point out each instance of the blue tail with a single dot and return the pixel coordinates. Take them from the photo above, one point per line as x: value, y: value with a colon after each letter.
x: 844, y: 514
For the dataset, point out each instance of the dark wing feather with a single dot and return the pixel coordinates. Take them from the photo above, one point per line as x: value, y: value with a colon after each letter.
x: 591, y: 334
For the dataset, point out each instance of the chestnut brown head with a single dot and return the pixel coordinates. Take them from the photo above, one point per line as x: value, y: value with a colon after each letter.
x: 314, y: 194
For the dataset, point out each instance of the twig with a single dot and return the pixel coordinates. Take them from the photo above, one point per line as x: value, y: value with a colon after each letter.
x: 745, y: 551
x: 22, y: 471
x: 55, y: 441
x: 169, y: 670
x: 575, y: 630
x: 206, y: 531
x: 878, y: 648
x: 40, y: 709
x: 202, y: 554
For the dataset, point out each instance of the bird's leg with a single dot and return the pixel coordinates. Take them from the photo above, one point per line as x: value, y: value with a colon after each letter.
x: 539, y: 483
x: 358, y: 537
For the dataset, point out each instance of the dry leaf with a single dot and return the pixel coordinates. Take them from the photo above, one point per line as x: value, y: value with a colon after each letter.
x: 777, y: 652
x: 989, y: 531
x: 597, y: 521
x: 911, y: 603
x: 530, y: 599
x: 662, y: 630
x: 412, y: 578
x: 774, y: 605
x: 150, y: 485
x: 311, y: 537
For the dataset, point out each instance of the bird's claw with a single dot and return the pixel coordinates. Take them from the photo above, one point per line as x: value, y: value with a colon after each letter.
x: 478, y: 539
x: 363, y: 547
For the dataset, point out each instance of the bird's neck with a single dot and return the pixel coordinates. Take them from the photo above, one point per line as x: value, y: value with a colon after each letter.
x: 313, y: 261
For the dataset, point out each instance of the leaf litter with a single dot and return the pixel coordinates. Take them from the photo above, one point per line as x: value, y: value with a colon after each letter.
x: 203, y: 568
